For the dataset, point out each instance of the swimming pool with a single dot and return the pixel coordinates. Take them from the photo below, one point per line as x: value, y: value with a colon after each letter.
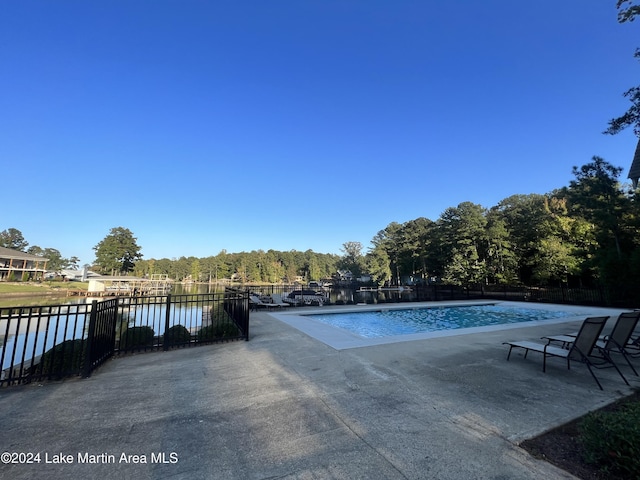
x: 310, y: 321
x: 383, y: 323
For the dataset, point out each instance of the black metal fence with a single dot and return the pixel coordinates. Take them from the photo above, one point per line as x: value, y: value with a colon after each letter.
x: 49, y: 342
x: 101, y: 335
x: 350, y: 295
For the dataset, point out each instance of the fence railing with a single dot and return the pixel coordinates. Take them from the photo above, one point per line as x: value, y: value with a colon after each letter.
x: 46, y: 342
x: 101, y: 335
x: 346, y: 295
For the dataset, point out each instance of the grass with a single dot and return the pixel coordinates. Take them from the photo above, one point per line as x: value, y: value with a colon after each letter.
x: 602, y: 445
x: 40, y: 287
x: 26, y: 294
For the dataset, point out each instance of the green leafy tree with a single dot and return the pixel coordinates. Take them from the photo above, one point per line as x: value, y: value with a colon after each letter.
x: 222, y: 265
x: 597, y: 196
x: 314, y: 268
x: 352, y: 259
x: 378, y: 263
x: 181, y: 268
x: 253, y: 271
x: 161, y: 266
x: 12, y: 238
x: 527, y: 221
x: 117, y: 252
x: 564, y: 247
x: 415, y: 241
x: 389, y: 242
x: 464, y: 233
x: 35, y: 250
x: 195, y: 270
x: 273, y: 270
x: 55, y: 261
x: 627, y: 12
x: 502, y: 264
x: 74, y: 262
x: 554, y: 260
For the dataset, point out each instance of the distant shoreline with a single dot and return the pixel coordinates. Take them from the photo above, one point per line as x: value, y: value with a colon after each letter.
x: 47, y: 293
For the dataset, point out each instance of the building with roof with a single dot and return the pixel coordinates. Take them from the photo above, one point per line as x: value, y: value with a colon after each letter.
x: 16, y: 265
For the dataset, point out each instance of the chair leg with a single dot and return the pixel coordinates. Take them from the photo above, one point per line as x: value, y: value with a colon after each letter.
x: 596, y: 378
x: 628, y: 362
x: 608, y: 357
x: 509, y: 354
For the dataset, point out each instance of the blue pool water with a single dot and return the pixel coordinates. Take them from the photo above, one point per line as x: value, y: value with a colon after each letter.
x: 374, y: 324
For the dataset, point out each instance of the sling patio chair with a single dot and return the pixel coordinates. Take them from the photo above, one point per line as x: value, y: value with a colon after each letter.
x: 580, y: 350
x: 255, y: 302
x: 277, y: 300
x: 633, y: 346
x: 618, y: 341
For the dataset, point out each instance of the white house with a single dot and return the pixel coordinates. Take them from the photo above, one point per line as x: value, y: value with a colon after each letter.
x: 16, y: 265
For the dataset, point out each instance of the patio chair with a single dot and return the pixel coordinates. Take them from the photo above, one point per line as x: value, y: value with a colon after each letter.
x: 618, y: 341
x: 633, y: 346
x: 255, y: 302
x: 579, y: 350
x: 277, y: 300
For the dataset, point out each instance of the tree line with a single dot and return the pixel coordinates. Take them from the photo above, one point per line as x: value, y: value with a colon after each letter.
x: 583, y: 234
x: 257, y: 266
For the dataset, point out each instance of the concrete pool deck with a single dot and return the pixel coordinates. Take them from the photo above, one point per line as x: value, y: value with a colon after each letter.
x: 286, y: 405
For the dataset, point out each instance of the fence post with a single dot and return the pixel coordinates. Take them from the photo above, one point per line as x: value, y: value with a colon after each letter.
x: 167, y: 319
x: 90, y: 334
x: 245, y: 309
x: 113, y: 331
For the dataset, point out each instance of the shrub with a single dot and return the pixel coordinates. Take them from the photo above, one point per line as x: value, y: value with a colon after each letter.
x: 136, y: 337
x: 220, y: 325
x: 612, y: 440
x: 66, y: 357
x: 122, y: 323
x: 218, y: 330
x: 176, y: 335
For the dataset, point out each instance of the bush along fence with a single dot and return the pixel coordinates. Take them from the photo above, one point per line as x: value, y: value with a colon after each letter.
x: 52, y: 342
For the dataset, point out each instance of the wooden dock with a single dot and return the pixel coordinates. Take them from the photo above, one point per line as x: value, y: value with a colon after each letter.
x: 86, y: 293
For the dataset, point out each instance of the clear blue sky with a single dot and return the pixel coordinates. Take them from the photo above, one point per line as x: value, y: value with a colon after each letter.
x: 295, y: 124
